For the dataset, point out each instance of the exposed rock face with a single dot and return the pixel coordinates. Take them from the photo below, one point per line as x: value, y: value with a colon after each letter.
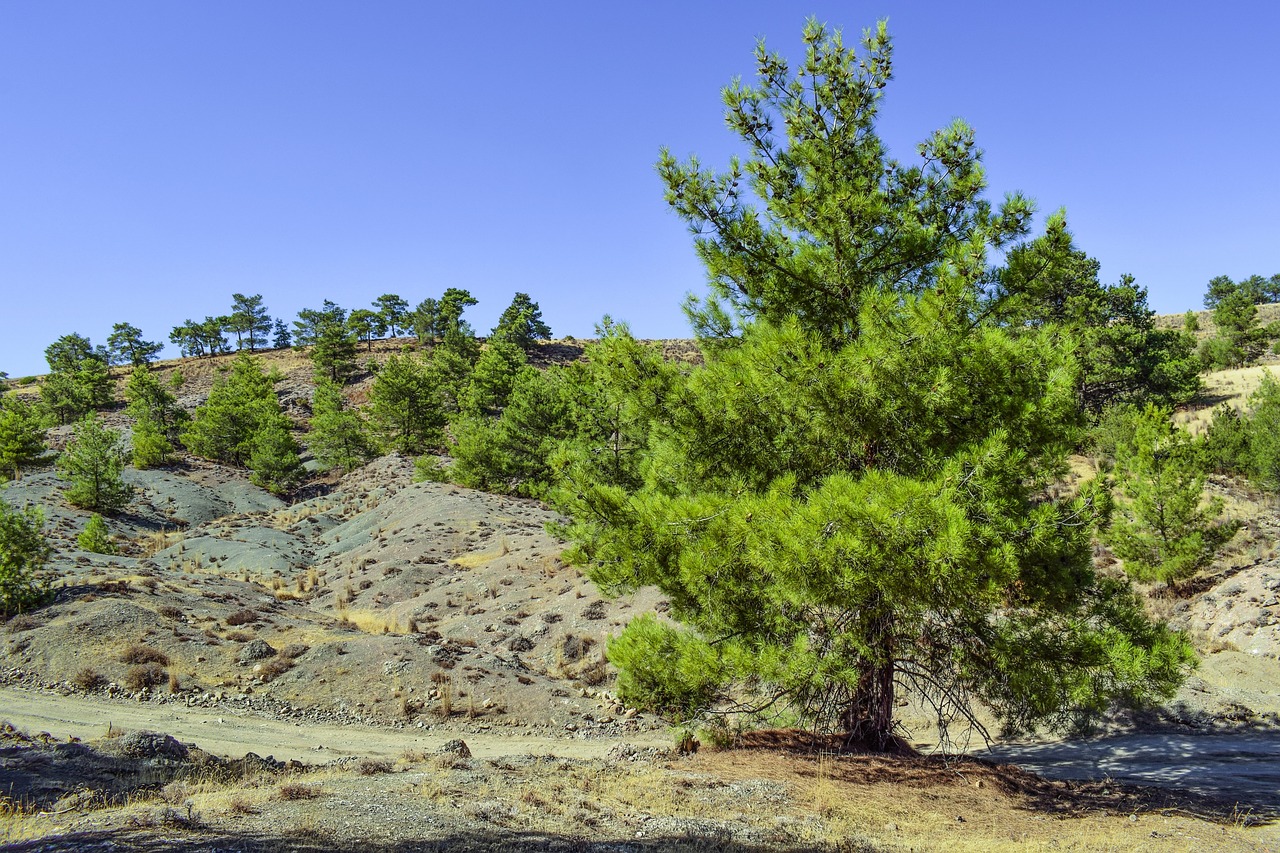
x: 1243, y: 611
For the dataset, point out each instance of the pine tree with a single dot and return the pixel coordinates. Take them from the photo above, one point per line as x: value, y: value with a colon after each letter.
x: 339, y: 437
x: 851, y: 494
x: 366, y: 325
x: 151, y: 448
x: 273, y: 457
x: 240, y: 404
x: 23, y: 552
x: 426, y: 320
x: 149, y: 400
x: 521, y: 323
x: 95, y: 537
x: 492, y: 378
x: 405, y: 407
x: 21, y: 435
x: 281, y: 337
x: 126, y: 346
x: 78, y: 380
x: 393, y: 313
x: 1165, y: 528
x: 249, y: 320
x: 1124, y: 358
x: 93, y: 464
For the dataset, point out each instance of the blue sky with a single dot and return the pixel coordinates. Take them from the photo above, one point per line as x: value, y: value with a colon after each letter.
x: 156, y: 157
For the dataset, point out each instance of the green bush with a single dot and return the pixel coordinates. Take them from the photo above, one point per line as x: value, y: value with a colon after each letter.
x: 23, y: 552
x: 665, y: 670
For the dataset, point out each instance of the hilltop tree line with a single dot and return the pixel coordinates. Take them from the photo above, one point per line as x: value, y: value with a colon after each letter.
x: 858, y: 490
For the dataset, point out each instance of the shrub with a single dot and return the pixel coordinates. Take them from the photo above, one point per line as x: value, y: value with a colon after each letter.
x: 298, y: 791
x: 146, y: 676
x: 139, y: 653
x: 89, y: 679
x: 95, y: 537
x: 242, y: 617
x: 665, y: 670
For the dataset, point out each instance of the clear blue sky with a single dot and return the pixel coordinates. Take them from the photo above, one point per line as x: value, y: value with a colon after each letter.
x: 156, y: 157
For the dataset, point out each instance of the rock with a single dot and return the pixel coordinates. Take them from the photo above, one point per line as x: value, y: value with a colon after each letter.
x: 256, y: 650
x: 144, y: 744
x: 457, y: 747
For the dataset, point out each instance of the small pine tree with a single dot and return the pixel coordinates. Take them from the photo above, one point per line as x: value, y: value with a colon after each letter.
x: 405, y: 406
x: 1264, y: 433
x: 492, y: 378
x: 93, y: 464
x: 1165, y: 529
x: 151, y: 447
x: 522, y: 324
x: 239, y: 405
x: 282, y: 337
x: 21, y: 435
x: 338, y: 436
x: 95, y: 537
x: 274, y: 458
x: 23, y: 551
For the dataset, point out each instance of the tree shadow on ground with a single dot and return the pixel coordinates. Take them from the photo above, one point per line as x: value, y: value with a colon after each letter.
x: 496, y: 839
x: 1033, y: 792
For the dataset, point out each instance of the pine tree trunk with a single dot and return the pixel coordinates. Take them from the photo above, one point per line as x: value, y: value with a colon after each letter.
x: 868, y: 718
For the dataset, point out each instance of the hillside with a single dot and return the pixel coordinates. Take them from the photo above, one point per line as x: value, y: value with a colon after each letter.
x: 371, y: 603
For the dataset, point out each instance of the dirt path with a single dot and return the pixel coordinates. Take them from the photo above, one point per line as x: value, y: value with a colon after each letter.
x: 223, y: 732
x: 1242, y: 765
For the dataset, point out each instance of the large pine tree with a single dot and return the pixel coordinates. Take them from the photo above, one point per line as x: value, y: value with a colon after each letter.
x: 850, y: 496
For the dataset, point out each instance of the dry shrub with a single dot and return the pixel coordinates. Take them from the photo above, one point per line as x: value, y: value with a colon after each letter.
x: 169, y: 611
x: 294, y: 651
x: 240, y: 804
x: 275, y: 668
x: 22, y: 622
x: 298, y: 791
x: 89, y: 679
x: 239, y: 636
x: 243, y: 617
x: 372, y: 766
x: 145, y: 676
x: 140, y: 653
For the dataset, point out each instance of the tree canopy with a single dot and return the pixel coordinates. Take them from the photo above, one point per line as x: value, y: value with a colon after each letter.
x: 851, y: 495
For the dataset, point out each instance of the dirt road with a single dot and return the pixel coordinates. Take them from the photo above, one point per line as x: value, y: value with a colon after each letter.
x: 1242, y: 765
x: 223, y: 732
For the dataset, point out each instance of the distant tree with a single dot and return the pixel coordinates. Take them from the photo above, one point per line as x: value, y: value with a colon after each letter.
x: 394, y: 312
x: 311, y: 321
x: 522, y: 324
x: 1240, y: 338
x: 78, y: 380
x: 23, y: 551
x: 1255, y: 288
x: 213, y: 334
x: 273, y: 457
x: 1048, y: 283
x: 1190, y: 323
x: 92, y: 464
x: 514, y: 452
x: 426, y: 320
x: 493, y: 377
x: 241, y: 403
x: 126, y: 346
x: 148, y: 399
x: 249, y: 321
x: 21, y: 435
x: 282, y: 337
x: 96, y: 537
x: 66, y: 354
x: 454, y: 330
x: 405, y: 407
x: 334, y: 352
x: 188, y: 339
x: 339, y: 437
x: 366, y: 325
x: 1165, y: 528
x: 150, y: 446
